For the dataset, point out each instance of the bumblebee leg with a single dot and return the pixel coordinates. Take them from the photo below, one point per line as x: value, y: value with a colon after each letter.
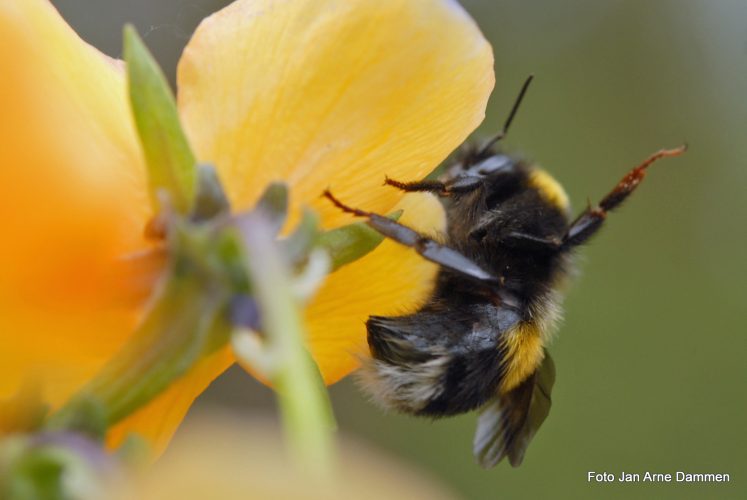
x: 427, y: 247
x: 435, y: 187
x: 590, y: 220
x: 460, y: 185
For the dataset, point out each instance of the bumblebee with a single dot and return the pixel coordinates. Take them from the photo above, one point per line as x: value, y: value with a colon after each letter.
x: 479, y: 341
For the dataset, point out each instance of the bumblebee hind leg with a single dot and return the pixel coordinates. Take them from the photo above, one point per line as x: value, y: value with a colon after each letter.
x: 404, y: 373
x: 429, y: 365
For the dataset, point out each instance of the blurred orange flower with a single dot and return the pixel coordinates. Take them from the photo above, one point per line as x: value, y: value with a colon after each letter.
x: 219, y: 456
x: 315, y: 93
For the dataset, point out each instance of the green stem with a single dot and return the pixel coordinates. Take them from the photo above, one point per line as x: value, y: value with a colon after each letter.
x: 303, y: 400
x: 185, y: 323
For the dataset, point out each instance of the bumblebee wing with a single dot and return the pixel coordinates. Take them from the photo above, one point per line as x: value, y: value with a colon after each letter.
x: 508, y: 422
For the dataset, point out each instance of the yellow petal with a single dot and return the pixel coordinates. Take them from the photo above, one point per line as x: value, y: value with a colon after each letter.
x: 338, y: 93
x: 392, y: 280
x: 332, y: 93
x: 73, y: 202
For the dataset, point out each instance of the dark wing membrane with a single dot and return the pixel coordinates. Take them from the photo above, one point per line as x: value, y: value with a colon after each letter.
x: 507, y: 423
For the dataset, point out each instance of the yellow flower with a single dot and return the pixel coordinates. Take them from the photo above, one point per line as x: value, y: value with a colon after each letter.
x: 316, y: 93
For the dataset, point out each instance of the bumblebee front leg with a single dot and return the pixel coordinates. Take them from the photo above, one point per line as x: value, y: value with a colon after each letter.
x: 425, y: 246
x: 460, y: 185
x: 589, y: 221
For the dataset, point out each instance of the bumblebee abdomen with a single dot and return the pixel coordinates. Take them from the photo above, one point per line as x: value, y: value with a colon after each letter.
x: 433, y: 364
x: 469, y: 381
x: 523, y: 351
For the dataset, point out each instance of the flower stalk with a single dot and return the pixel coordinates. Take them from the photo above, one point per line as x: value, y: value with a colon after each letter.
x: 303, y: 400
x: 187, y: 321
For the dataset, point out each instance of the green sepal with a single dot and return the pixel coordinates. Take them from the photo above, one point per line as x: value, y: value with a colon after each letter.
x: 169, y: 159
x: 26, y: 472
x: 344, y: 245
x: 52, y: 467
x: 273, y: 203
x: 349, y: 243
x: 89, y: 417
x: 297, y: 246
x: 210, y: 198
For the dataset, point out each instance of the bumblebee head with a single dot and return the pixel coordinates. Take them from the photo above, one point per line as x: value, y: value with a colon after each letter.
x: 515, y: 202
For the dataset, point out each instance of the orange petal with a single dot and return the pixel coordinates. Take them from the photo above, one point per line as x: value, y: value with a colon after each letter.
x: 332, y: 93
x: 73, y: 208
x: 392, y: 280
x: 73, y: 202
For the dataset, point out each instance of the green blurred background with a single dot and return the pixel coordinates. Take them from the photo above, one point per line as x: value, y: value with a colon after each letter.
x: 651, y: 356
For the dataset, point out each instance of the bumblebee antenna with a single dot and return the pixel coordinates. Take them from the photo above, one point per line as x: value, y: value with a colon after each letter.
x: 500, y: 135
